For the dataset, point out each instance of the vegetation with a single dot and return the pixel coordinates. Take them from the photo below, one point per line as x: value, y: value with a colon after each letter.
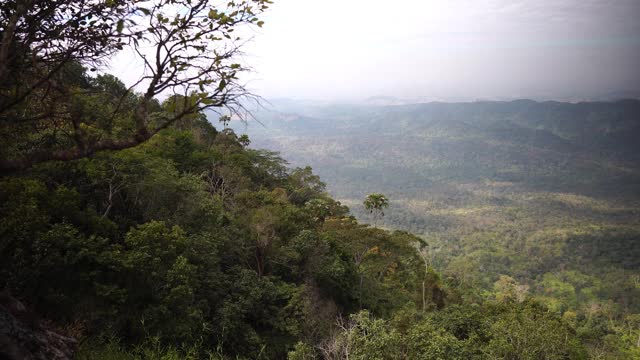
x: 136, y: 226
x: 193, y: 245
x: 187, y: 48
x: 375, y: 205
x: 198, y: 242
x: 516, y: 200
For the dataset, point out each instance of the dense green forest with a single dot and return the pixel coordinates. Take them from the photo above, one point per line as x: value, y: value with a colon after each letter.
x: 134, y: 224
x: 543, y: 194
x: 195, y: 245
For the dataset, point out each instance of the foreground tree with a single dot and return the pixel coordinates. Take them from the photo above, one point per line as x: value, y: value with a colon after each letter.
x: 375, y: 204
x: 50, y: 109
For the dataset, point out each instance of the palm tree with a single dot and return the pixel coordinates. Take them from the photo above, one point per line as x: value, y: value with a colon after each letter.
x: 376, y: 203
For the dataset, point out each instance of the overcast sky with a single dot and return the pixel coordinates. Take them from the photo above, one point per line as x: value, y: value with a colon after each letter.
x: 336, y: 49
x: 442, y: 49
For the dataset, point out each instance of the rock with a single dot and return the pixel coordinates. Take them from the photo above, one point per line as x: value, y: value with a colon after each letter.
x: 22, y: 337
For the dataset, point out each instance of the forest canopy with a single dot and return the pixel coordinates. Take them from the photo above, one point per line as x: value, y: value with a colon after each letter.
x: 131, y: 227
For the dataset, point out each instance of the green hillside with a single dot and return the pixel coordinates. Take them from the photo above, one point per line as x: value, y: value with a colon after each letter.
x: 137, y: 225
x: 546, y: 193
x: 196, y: 244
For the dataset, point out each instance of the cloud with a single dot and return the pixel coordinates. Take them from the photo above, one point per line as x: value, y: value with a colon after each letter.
x: 446, y: 48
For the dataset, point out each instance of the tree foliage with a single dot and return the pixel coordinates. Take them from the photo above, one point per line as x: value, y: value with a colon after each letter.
x: 375, y: 204
x: 181, y: 241
x: 188, y: 49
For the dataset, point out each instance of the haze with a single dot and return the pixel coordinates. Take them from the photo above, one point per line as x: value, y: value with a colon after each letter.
x: 447, y: 50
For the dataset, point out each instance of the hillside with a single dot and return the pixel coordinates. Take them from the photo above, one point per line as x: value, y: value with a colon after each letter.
x: 196, y: 244
x: 140, y: 220
x: 464, y: 155
x: 545, y: 192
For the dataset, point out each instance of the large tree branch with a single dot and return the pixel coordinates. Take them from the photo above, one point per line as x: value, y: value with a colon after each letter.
x: 86, y: 149
x: 190, y: 54
x: 7, y: 38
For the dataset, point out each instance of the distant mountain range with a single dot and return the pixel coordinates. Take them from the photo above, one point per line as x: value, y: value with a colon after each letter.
x: 433, y: 153
x: 523, y: 188
x: 384, y: 100
x: 591, y: 128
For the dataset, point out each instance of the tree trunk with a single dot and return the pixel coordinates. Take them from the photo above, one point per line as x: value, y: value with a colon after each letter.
x: 424, y: 299
x: 360, y: 292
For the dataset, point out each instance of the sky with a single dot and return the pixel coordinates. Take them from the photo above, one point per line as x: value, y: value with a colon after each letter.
x: 447, y: 50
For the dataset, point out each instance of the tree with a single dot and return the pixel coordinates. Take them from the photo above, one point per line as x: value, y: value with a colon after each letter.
x: 508, y: 289
x: 529, y: 331
x: 51, y: 109
x: 375, y: 204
